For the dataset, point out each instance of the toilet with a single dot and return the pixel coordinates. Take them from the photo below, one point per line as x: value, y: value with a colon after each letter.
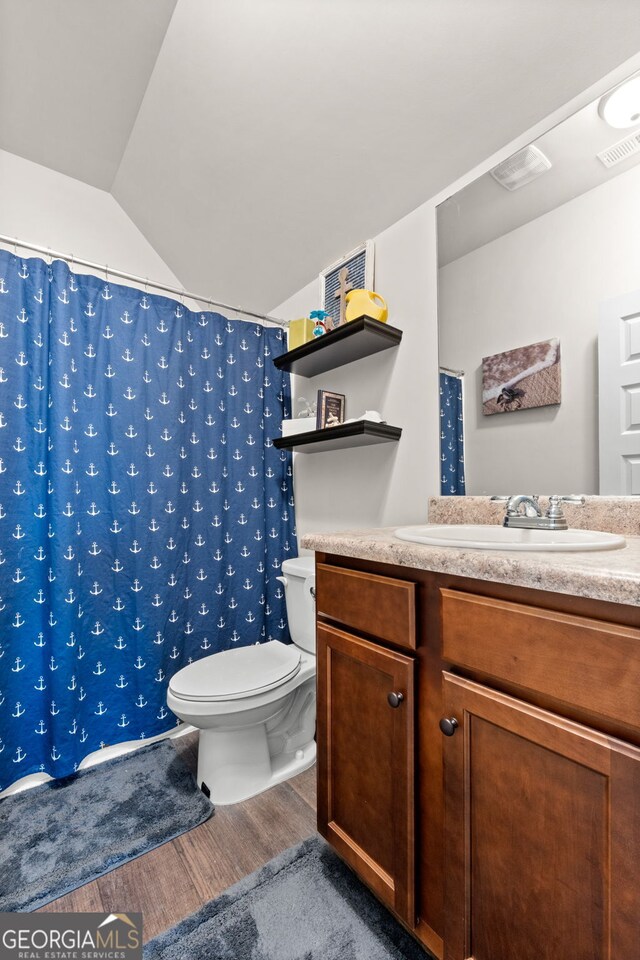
x: 255, y: 706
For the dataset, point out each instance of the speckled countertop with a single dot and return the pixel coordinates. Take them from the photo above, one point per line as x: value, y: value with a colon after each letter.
x: 612, y: 575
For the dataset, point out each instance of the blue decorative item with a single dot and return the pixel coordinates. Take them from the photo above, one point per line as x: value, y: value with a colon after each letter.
x: 320, y: 327
x: 451, y: 436
x: 144, y: 509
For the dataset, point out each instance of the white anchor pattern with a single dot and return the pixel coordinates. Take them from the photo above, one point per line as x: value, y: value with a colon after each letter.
x: 144, y: 511
x: 451, y: 436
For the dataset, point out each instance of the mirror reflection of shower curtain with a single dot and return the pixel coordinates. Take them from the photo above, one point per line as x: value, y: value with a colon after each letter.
x: 451, y: 435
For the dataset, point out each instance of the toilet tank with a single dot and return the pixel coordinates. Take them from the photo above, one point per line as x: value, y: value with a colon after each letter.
x: 299, y: 578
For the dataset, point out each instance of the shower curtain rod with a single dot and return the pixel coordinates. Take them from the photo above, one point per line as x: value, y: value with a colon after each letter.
x: 109, y: 271
x: 453, y: 373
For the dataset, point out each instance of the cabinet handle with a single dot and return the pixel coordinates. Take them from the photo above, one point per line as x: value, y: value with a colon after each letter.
x: 449, y: 725
x: 395, y: 699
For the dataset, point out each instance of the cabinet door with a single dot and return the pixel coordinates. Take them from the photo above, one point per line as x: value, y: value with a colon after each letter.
x: 366, y: 762
x: 542, y: 834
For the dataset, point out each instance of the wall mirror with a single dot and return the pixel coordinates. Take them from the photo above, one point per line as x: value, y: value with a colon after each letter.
x: 551, y: 252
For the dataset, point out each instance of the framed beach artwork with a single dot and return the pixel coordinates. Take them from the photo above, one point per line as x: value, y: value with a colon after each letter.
x: 522, y: 378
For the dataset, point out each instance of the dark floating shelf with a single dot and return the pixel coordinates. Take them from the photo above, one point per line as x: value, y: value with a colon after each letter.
x: 352, y: 341
x: 361, y: 433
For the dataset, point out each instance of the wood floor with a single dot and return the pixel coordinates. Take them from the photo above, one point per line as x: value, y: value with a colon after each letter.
x: 174, y: 880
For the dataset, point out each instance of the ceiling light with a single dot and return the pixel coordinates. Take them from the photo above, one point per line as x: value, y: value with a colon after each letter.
x: 621, y: 107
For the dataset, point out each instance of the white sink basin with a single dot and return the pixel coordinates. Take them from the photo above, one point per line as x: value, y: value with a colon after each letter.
x: 495, y: 537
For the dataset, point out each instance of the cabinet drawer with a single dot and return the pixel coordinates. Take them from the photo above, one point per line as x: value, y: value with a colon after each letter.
x: 590, y: 664
x: 380, y: 606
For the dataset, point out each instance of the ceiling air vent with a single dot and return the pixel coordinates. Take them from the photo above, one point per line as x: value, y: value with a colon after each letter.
x: 621, y: 150
x: 523, y: 167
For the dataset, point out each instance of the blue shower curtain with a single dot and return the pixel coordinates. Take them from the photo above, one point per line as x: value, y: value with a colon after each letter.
x: 144, y: 510
x: 451, y: 436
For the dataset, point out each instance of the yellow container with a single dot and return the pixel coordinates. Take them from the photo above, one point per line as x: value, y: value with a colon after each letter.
x: 300, y: 331
x: 362, y: 303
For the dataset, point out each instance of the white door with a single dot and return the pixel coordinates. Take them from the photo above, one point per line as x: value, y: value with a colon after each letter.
x: 619, y: 395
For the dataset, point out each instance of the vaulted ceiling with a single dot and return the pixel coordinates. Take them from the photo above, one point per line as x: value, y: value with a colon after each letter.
x: 254, y: 141
x: 72, y: 77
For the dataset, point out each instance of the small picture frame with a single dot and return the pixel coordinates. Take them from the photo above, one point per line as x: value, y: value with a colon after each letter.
x: 330, y: 410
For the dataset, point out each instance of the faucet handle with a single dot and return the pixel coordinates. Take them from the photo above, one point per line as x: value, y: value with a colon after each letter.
x: 555, y: 510
x: 500, y: 497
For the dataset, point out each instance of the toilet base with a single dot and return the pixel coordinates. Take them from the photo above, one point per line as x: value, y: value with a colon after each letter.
x: 230, y: 780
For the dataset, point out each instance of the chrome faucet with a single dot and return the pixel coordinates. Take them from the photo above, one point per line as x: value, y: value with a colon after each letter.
x: 523, y: 510
x: 524, y: 505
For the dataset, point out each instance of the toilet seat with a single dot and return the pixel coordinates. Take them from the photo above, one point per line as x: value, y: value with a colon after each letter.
x: 237, y: 674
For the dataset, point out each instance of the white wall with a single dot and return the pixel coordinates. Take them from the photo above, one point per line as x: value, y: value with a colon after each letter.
x: 52, y: 210
x: 389, y: 483
x: 545, y: 279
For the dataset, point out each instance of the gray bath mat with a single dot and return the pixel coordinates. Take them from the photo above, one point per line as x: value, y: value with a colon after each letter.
x: 303, y: 905
x: 62, y: 834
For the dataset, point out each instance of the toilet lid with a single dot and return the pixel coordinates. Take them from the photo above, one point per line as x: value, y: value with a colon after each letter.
x: 238, y: 673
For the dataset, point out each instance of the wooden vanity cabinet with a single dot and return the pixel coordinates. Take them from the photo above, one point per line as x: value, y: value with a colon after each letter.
x: 366, y: 735
x: 541, y: 848
x: 542, y: 813
x: 496, y: 811
x: 365, y: 717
